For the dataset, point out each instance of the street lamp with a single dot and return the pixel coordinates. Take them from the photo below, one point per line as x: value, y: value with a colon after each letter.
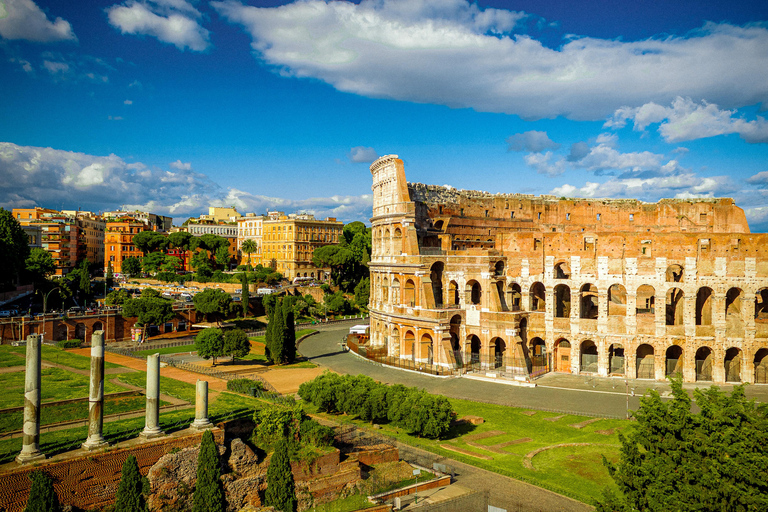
x: 45, y: 305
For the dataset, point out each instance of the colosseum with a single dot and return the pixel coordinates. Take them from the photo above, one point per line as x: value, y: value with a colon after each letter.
x: 515, y: 286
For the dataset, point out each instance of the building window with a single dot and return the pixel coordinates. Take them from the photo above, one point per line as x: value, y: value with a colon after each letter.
x: 631, y: 217
x: 598, y: 216
x: 567, y: 216
x: 539, y: 215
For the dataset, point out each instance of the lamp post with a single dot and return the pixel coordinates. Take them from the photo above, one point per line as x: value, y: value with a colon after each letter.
x: 45, y: 306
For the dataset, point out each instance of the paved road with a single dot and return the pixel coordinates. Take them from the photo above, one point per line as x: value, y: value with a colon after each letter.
x: 596, y: 396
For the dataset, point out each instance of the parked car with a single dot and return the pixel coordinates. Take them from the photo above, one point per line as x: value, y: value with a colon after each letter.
x: 74, y: 310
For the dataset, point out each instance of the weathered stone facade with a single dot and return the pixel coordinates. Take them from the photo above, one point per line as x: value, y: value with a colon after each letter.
x: 522, y: 284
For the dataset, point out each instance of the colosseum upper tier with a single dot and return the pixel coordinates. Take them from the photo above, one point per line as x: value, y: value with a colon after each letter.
x: 522, y: 285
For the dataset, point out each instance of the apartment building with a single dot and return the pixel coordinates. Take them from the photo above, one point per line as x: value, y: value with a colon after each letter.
x: 249, y: 228
x: 118, y: 241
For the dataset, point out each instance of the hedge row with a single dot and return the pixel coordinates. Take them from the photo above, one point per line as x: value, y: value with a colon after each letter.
x: 244, y: 386
x: 412, y: 409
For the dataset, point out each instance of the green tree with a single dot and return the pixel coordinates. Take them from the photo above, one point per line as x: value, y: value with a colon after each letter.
x: 349, y: 259
x: 150, y: 241
x: 148, y: 310
x: 117, y: 297
x: 236, y: 344
x: 131, y: 266
x: 209, y: 343
x: 336, y: 303
x: 277, y: 346
x: 249, y: 247
x: 14, y: 248
x: 152, y: 262
x: 213, y: 302
x: 245, y: 293
x: 209, y: 492
x: 281, y: 490
x: 42, y: 495
x: 289, y: 331
x: 40, y: 263
x: 222, y: 257
x: 672, y: 459
x: 130, y: 493
x: 172, y: 264
x: 180, y: 240
x: 362, y: 293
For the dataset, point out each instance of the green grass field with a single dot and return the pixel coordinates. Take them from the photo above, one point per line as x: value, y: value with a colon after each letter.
x: 56, y: 384
x: 509, y: 434
x: 53, y: 355
x: 171, y: 387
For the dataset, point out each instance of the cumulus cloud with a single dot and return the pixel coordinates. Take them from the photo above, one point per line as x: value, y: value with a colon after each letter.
x: 532, y: 141
x: 74, y: 68
x: 457, y: 54
x: 32, y: 176
x: 687, y: 120
x: 361, y: 154
x: 546, y: 163
x: 760, y: 178
x: 23, y: 19
x: 175, y: 22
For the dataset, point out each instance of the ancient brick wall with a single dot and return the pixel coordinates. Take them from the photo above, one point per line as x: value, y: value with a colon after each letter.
x: 91, y: 480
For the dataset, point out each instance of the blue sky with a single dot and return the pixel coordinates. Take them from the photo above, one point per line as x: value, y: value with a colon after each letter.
x: 175, y: 105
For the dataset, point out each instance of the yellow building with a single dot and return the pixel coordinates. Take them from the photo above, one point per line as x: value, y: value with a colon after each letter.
x: 289, y: 241
x: 91, y: 242
x: 118, y: 241
x: 221, y: 214
x: 249, y: 228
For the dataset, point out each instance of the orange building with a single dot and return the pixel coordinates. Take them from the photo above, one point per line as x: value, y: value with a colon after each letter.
x: 59, y: 235
x: 118, y: 242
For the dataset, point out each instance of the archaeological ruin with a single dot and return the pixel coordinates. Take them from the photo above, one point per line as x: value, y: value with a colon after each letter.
x: 513, y: 285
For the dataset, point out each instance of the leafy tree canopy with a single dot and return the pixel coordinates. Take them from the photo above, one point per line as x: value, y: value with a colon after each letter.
x: 42, y: 495
x: 209, y: 343
x: 152, y: 262
x: 180, y: 240
x: 130, y: 493
x: 40, y: 263
x: 14, y: 249
x: 672, y: 459
x: 236, y: 344
x: 131, y: 266
x: 117, y: 297
x: 150, y: 241
x: 209, y: 242
x: 213, y: 302
x: 148, y: 310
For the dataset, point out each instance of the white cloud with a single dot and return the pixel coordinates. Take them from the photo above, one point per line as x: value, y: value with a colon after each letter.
x: 532, y: 141
x: 457, y: 54
x: 605, y: 157
x: 128, y: 102
x: 546, y: 163
x: 23, y: 19
x: 760, y: 178
x: 171, y: 21
x: 688, y: 120
x: 362, y: 154
x: 55, y: 178
x: 74, y: 68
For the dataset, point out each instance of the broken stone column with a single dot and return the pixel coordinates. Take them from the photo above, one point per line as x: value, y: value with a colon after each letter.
x: 30, y: 444
x: 201, y: 407
x: 96, y: 396
x: 152, y: 418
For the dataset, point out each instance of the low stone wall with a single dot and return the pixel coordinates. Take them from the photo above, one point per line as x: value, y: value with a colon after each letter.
x: 91, y: 480
x: 423, y: 486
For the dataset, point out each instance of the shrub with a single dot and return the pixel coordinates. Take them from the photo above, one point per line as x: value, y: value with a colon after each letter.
x: 244, y: 386
x: 42, y: 496
x: 130, y: 493
x: 69, y: 343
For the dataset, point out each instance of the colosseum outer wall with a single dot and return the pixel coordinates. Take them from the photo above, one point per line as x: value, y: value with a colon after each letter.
x: 523, y: 285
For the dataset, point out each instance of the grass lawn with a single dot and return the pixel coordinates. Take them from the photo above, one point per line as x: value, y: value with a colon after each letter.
x: 174, y: 388
x: 258, y: 345
x: 225, y: 406
x: 348, y: 504
x: 508, y: 435
x: 8, y: 358
x: 167, y: 350
x: 75, y: 411
x: 57, y: 384
x: 58, y: 356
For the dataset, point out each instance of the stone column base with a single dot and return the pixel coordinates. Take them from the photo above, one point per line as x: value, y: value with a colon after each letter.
x: 94, y: 444
x: 26, y: 458
x: 202, y: 425
x: 151, y: 433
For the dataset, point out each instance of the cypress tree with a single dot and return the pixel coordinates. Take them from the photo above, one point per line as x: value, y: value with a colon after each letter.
x: 289, y: 345
x: 245, y: 295
x: 281, y: 490
x: 209, y: 493
x: 130, y: 495
x: 42, y: 496
x: 268, y: 334
x: 278, y: 336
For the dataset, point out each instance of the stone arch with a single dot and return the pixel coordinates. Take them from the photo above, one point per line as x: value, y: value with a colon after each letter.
x: 588, y: 303
x: 588, y: 357
x: 537, y: 353
x: 562, y: 356
x: 80, y: 331
x: 761, y: 305
x: 455, y: 332
x: 408, y: 348
x: 474, y: 346
x: 703, y: 360
x: 409, y: 293
x: 616, y: 359
x: 523, y: 329
x: 394, y: 339
x: 617, y: 300
x: 385, y: 290
x: 436, y: 276
x: 562, y: 301
x: 395, y: 299
x: 514, y: 297
x: 97, y: 326
x: 60, y: 333
x: 734, y: 320
x: 499, y: 349
x: 438, y: 225
x: 386, y: 241
x: 704, y: 306
x: 761, y: 366
x: 644, y: 361
x: 562, y: 270
x: 538, y: 297
x: 426, y: 349
x: 646, y: 300
x: 732, y: 365
x: 498, y: 268
x: 674, y: 306
x: 453, y: 293
x: 673, y: 360
x: 674, y: 273
x: 474, y: 292
x: 397, y: 242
